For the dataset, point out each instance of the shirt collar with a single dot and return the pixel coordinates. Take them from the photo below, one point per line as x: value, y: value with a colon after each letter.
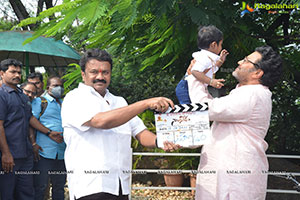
x: 49, y: 97
x: 9, y: 89
x: 211, y: 54
x: 83, y: 86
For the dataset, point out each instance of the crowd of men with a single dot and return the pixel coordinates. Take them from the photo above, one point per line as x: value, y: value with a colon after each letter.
x: 30, y: 129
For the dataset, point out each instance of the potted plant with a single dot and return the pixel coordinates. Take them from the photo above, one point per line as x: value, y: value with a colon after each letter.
x: 178, y: 163
x: 171, y: 178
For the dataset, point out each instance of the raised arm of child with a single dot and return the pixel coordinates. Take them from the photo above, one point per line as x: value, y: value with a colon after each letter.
x: 200, y: 76
x: 222, y: 59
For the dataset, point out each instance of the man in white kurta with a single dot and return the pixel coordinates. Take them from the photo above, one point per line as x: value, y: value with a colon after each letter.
x: 98, y: 127
x: 96, y: 158
x: 234, y: 166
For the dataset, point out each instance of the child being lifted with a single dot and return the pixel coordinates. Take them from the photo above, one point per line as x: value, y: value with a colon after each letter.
x: 206, y: 63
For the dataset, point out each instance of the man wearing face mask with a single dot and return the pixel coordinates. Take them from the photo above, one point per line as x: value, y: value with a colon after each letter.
x: 51, y: 162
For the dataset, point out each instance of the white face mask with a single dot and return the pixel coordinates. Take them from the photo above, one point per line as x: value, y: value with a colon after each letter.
x: 57, y: 92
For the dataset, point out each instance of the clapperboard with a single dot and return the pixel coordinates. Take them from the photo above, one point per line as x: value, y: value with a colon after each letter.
x: 186, y: 125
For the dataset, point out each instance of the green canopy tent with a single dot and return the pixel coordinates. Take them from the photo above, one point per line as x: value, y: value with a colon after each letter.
x: 42, y: 51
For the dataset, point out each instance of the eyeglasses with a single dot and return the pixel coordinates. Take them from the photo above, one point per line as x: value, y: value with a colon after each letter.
x: 245, y: 60
x: 29, y: 92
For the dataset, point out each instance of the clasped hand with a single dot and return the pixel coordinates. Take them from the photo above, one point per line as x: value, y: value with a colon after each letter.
x: 56, y: 136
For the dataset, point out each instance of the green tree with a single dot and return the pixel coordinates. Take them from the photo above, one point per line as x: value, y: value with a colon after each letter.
x: 153, y: 37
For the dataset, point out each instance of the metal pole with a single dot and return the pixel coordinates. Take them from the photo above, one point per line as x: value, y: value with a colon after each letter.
x: 27, y: 63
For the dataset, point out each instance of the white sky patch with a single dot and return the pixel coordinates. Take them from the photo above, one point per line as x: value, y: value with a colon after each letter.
x: 7, y: 13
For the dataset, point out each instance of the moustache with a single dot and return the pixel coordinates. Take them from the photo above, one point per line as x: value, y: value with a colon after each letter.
x: 99, y: 81
x: 18, y: 79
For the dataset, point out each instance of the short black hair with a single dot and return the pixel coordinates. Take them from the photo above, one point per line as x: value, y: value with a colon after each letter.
x: 52, y: 77
x: 98, y: 54
x: 8, y: 62
x: 35, y: 75
x: 23, y: 85
x: 208, y: 35
x: 271, y: 64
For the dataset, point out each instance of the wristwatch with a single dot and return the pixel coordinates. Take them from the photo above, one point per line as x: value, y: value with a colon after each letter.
x: 48, y: 133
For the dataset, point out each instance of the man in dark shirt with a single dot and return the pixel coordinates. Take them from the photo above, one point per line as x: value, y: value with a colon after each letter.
x: 16, y: 175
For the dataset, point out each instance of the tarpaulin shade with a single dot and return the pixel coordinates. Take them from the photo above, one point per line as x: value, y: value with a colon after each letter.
x: 42, y: 51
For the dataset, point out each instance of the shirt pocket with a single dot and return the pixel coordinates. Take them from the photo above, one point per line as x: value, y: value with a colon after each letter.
x: 17, y: 110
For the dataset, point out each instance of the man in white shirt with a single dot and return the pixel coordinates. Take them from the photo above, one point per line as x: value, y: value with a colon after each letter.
x: 98, y: 127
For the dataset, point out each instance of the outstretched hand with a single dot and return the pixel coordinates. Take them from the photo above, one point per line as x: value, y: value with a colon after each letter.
x: 223, y: 55
x: 160, y: 104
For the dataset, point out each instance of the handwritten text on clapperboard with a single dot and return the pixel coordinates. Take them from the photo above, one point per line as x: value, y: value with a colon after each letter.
x: 186, y: 125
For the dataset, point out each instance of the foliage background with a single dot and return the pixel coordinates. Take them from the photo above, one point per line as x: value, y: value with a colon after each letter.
x: 151, y: 42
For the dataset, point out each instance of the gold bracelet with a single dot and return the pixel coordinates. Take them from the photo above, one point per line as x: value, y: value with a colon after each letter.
x: 210, y: 82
